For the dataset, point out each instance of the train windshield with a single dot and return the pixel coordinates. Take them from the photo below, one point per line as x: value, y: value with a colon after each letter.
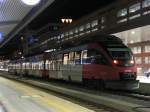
x: 121, y: 54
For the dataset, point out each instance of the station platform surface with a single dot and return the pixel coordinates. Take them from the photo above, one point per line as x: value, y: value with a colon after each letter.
x: 143, y: 79
x: 17, y: 97
x: 41, y: 101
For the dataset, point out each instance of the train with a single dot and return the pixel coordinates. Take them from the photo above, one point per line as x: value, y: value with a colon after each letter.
x: 104, y: 63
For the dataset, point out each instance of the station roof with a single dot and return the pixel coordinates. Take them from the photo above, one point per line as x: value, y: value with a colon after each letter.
x: 15, y: 16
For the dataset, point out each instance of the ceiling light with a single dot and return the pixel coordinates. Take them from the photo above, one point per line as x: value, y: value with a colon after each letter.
x: 133, y: 32
x: 63, y: 20
x: 31, y: 2
x: 70, y: 20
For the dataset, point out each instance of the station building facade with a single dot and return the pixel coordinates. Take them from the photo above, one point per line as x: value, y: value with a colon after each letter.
x: 138, y: 40
x: 128, y: 20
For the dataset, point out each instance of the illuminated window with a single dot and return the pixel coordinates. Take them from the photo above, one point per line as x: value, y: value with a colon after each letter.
x: 76, y: 30
x: 65, y: 60
x: 134, y: 8
x: 146, y: 3
x: 62, y: 35
x: 102, y: 19
x: 138, y: 60
x: 81, y: 29
x: 84, y: 56
x: 147, y: 48
x: 122, y: 12
x: 88, y: 25
x: 71, y: 33
x: 136, y: 49
x: 66, y: 34
x: 77, y: 57
x: 147, y: 60
x: 94, y: 23
x: 71, y: 57
x: 58, y: 37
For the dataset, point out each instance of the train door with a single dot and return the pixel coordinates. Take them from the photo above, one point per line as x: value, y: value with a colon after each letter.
x: 66, y: 67
x: 76, y: 67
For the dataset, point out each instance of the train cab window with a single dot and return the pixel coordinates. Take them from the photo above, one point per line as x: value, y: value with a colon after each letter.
x: 95, y: 57
x: 77, y: 57
x: 65, y: 59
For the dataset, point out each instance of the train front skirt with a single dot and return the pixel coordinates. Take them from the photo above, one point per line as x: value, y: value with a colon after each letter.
x: 122, y: 85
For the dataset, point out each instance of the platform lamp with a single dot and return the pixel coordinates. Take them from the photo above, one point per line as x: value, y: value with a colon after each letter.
x: 66, y: 21
x: 31, y: 2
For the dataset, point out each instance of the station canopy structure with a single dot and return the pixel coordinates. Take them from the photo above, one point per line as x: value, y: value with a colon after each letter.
x: 16, y: 16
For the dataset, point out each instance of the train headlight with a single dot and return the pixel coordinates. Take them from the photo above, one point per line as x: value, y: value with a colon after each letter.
x: 115, y: 61
x: 131, y: 61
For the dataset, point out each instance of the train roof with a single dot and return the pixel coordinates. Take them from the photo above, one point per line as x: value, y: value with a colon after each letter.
x: 102, y: 38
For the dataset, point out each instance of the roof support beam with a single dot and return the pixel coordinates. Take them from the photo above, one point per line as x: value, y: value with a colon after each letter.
x: 28, y: 18
x: 3, y: 23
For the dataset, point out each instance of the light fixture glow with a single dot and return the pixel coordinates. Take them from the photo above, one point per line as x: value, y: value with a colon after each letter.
x: 63, y: 20
x: 70, y: 20
x: 67, y: 20
x: 133, y: 32
x: 50, y: 50
x: 31, y: 2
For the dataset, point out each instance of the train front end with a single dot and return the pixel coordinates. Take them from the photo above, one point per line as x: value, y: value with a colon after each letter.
x: 124, y: 69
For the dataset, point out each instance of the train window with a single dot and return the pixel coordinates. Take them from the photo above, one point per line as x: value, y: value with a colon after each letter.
x: 65, y: 59
x: 77, y: 57
x: 88, y: 25
x: 47, y: 65
x: 94, y: 23
x: 81, y: 29
x: 146, y: 3
x: 122, y: 12
x: 100, y: 59
x: 96, y: 57
x: 134, y: 7
x: 76, y: 30
x: 71, y: 32
x: 102, y: 19
x: 84, y: 56
x: 71, y: 58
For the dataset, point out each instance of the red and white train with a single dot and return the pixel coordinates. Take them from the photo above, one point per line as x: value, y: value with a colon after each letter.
x: 107, y: 62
